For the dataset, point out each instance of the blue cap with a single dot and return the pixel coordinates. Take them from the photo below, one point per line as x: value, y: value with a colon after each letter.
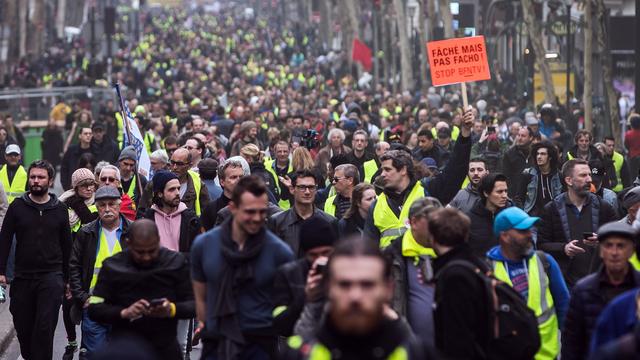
x: 513, y: 218
x: 429, y: 162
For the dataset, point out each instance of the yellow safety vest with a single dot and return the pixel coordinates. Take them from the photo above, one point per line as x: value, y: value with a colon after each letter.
x: 541, y: 302
x: 103, y: 253
x: 149, y: 139
x: 284, y: 204
x: 15, y: 189
x: 455, y: 132
x: 329, y: 207
x: 370, y: 168
x: 635, y: 262
x: 321, y: 352
x: 132, y: 186
x: 79, y: 224
x: 120, y: 126
x: 385, y: 219
x: 618, y: 160
x: 197, y: 184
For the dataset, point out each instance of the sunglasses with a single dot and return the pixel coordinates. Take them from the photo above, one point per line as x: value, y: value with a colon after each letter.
x: 178, y: 163
x: 107, y: 179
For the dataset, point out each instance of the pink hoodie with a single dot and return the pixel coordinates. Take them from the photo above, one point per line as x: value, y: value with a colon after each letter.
x: 169, y: 226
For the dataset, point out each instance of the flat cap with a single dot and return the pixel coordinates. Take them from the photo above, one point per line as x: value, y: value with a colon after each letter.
x: 107, y: 192
x: 631, y: 198
x: 616, y: 228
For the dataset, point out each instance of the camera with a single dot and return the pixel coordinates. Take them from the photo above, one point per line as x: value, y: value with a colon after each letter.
x: 309, y: 139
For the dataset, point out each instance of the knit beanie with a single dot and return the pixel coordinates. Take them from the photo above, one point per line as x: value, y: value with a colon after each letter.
x: 128, y: 152
x: 81, y: 174
x: 315, y: 232
x: 161, y: 178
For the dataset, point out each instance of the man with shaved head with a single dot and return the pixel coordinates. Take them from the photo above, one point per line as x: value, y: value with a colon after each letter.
x: 144, y: 290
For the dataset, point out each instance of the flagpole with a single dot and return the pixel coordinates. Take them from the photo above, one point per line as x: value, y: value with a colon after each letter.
x: 125, y: 123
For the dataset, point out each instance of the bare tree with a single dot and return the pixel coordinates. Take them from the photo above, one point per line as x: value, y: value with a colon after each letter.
x: 607, y: 73
x: 422, y: 39
x: 348, y: 25
x: 588, y: 71
x: 406, y: 70
x: 447, y: 18
x: 326, y: 8
x: 533, y: 28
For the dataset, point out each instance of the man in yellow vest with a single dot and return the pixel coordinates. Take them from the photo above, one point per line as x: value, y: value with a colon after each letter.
x: 388, y: 215
x: 12, y: 175
x: 618, y: 170
x: 345, y: 178
x: 95, y: 242
x: 281, y: 167
x: 128, y: 177
x: 534, y: 274
x: 371, y: 167
x: 192, y: 191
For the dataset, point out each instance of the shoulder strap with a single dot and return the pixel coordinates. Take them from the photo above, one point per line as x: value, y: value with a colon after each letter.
x: 543, y: 259
x: 595, y: 212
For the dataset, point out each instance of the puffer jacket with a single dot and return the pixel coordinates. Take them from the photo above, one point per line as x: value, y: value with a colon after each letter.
x: 586, y: 304
x: 481, y: 237
x: 465, y: 199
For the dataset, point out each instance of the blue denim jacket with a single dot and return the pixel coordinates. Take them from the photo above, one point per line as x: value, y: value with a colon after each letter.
x: 532, y: 187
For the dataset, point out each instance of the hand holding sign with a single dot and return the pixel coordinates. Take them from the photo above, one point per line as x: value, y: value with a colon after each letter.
x: 458, y: 60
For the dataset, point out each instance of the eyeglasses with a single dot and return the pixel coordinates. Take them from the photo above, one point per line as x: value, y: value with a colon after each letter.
x: 87, y: 185
x: 304, y: 188
x: 336, y: 179
x: 178, y: 163
x: 107, y: 179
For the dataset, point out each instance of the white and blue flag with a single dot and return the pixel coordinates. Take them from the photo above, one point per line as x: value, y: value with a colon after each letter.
x: 136, y: 139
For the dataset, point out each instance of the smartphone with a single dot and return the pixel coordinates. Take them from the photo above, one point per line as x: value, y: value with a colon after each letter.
x: 156, y: 302
x: 491, y: 129
x: 586, y: 235
x: 321, y: 268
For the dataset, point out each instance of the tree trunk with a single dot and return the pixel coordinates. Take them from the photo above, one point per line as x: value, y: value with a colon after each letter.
x: 587, y: 95
x: 447, y: 18
x: 406, y: 70
x: 36, y: 28
x: 325, y: 23
x: 433, y: 20
x: 22, y: 25
x: 533, y: 27
x: 348, y: 26
x: 422, y: 40
x: 607, y: 73
x: 60, y: 16
x: 386, y: 44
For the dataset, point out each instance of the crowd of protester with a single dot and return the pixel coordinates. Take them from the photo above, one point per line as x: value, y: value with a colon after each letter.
x: 291, y: 212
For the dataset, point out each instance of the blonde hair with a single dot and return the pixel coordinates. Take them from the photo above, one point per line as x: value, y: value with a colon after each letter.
x: 301, y: 159
x: 251, y: 153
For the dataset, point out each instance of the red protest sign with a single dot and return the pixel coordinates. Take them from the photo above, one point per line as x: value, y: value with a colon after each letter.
x: 458, y: 60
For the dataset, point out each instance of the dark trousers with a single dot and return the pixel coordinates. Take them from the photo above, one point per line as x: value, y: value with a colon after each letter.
x: 69, y: 325
x: 35, y: 304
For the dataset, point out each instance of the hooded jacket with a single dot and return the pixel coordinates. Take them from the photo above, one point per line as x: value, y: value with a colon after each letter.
x: 183, y: 219
x: 557, y: 286
x: 43, y: 237
x: 465, y: 199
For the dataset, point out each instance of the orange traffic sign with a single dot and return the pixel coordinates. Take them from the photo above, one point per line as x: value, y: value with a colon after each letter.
x: 458, y: 60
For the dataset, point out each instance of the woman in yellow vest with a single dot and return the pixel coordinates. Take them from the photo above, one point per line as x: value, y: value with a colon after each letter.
x: 80, y: 201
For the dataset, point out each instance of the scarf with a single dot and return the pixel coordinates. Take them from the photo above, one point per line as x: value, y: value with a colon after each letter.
x: 237, y: 272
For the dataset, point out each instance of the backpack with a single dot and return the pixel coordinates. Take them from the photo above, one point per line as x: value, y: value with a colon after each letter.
x: 512, y: 325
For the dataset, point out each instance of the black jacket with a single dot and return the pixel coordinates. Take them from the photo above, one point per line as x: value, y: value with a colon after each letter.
x: 481, y: 236
x: 288, y: 290
x: 189, y: 227
x: 552, y: 239
x: 70, y: 164
x: 43, y: 237
x: 107, y: 150
x: 286, y: 225
x: 83, y: 258
x: 353, y: 225
x: 209, y: 217
x: 461, y: 314
x: 513, y: 163
x: 122, y: 283
x: 587, y: 302
x: 52, y: 145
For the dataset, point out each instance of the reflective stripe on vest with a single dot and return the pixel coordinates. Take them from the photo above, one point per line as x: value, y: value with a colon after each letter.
x: 618, y: 160
x: 195, y: 177
x: 103, y: 253
x: 541, y: 302
x: 370, y: 168
x: 16, y: 188
x: 385, y: 219
x: 569, y: 156
x: 79, y: 223
x: 329, y: 206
